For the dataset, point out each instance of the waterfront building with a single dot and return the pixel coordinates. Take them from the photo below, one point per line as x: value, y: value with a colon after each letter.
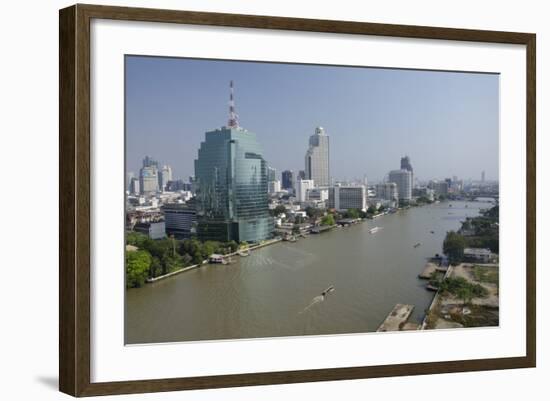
x: 287, y: 179
x: 406, y: 165
x: 403, y: 179
x: 387, y: 191
x: 274, y: 187
x: 477, y: 255
x: 317, y: 158
x: 231, y: 185
x: 425, y: 192
x: 301, y: 189
x: 165, y: 175
x: 154, y: 230
x: 439, y: 187
x: 317, y: 194
x: 345, y: 197
x: 180, y: 219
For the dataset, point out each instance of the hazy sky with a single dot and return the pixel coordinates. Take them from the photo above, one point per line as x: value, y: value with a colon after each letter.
x: 446, y: 122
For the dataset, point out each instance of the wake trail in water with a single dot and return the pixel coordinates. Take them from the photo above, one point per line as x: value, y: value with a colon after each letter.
x: 316, y: 300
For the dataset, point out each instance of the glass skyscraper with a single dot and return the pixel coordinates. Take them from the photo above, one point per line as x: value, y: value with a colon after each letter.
x: 231, y: 187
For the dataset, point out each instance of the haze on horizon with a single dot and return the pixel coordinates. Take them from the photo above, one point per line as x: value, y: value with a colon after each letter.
x: 446, y: 122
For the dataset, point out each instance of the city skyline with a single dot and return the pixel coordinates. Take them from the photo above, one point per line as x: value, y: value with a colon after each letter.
x: 168, y: 112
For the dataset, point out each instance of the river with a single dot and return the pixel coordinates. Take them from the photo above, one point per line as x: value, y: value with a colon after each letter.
x: 273, y: 291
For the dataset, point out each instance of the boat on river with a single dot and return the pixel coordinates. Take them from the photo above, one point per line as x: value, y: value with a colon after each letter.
x: 374, y: 230
x: 327, y: 291
x: 417, y: 245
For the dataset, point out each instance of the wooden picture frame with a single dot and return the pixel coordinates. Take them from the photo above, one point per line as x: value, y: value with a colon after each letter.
x: 74, y: 199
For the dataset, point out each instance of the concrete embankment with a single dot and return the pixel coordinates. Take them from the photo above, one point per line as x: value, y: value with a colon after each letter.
x: 397, y: 319
x: 434, y: 300
x: 187, y: 268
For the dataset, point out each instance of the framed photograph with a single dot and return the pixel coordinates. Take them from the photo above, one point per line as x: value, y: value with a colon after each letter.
x: 250, y: 200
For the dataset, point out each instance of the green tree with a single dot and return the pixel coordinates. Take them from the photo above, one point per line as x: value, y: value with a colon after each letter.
x: 465, y: 293
x: 313, y: 212
x: 371, y: 209
x: 381, y: 208
x: 352, y: 213
x: 137, y: 268
x: 279, y: 209
x: 155, y: 269
x: 233, y: 246
x: 328, y: 220
x: 453, y: 247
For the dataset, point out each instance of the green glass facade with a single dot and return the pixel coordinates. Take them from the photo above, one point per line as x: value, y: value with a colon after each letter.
x: 231, y: 186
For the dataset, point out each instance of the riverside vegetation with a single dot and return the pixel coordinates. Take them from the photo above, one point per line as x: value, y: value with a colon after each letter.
x: 154, y: 258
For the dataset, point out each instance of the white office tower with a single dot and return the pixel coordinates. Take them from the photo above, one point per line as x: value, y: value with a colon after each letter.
x: 301, y: 189
x: 317, y: 158
x: 403, y: 180
x: 387, y: 191
x: 274, y: 187
x: 348, y: 197
x: 165, y: 176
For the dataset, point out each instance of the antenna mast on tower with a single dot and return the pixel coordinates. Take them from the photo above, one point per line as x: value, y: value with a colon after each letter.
x: 233, y: 117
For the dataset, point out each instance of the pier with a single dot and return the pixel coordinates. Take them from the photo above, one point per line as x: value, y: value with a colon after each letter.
x: 431, y: 268
x: 397, y: 319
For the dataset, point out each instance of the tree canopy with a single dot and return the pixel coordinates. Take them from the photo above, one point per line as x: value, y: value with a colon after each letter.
x: 453, y: 247
x: 137, y: 268
x: 328, y: 220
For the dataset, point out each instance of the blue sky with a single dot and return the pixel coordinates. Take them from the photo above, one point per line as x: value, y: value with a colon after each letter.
x: 446, y: 122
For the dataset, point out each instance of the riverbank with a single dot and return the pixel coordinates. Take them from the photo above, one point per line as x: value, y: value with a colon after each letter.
x: 205, y: 262
x: 262, y: 295
x: 451, y: 311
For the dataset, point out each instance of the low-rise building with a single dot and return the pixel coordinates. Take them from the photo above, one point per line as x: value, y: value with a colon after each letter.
x: 301, y: 189
x: 483, y: 255
x: 154, y: 230
x: 180, y: 219
x: 344, y: 198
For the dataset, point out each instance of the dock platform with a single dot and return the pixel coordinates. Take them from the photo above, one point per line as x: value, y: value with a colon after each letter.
x: 429, y: 269
x: 397, y: 319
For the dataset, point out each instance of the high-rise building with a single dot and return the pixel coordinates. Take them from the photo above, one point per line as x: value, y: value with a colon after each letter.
x: 439, y: 187
x: 148, y: 176
x: 150, y: 162
x: 406, y: 165
x: 483, y: 176
x: 231, y: 185
x: 274, y: 187
x: 271, y: 174
x: 134, y: 186
x: 317, y: 158
x: 387, y: 191
x: 301, y: 175
x: 148, y: 180
x: 165, y: 175
x: 403, y: 179
x: 301, y: 189
x: 347, y: 197
x: 287, y: 179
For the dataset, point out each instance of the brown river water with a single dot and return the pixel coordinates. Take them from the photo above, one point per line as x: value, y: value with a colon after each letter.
x: 276, y: 291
